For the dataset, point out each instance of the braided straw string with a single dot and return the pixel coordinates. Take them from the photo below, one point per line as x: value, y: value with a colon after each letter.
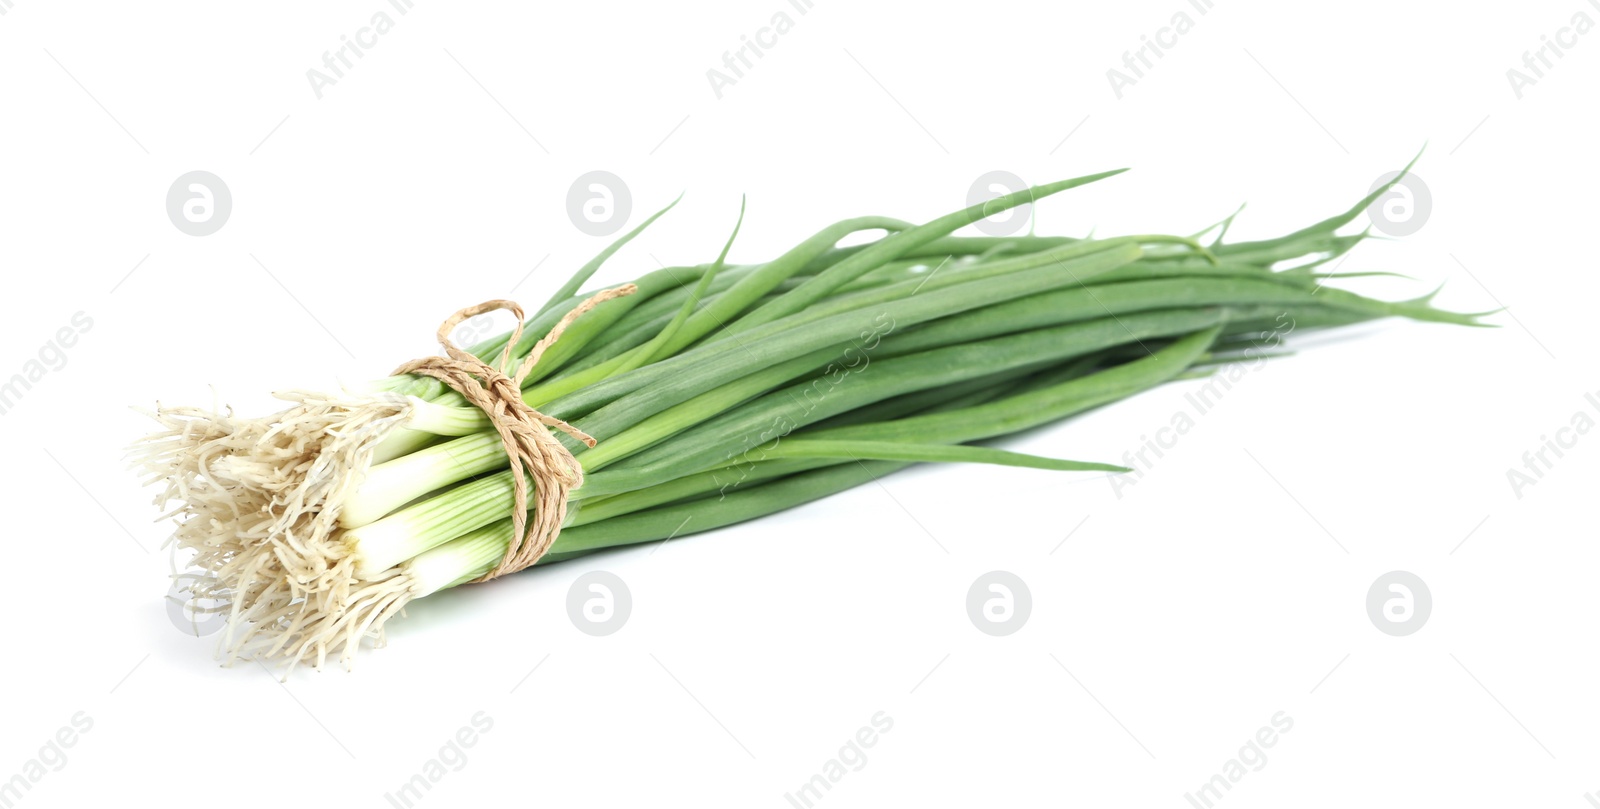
x: 534, y: 452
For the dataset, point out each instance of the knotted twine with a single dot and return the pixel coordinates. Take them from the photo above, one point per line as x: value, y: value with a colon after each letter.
x: 534, y: 452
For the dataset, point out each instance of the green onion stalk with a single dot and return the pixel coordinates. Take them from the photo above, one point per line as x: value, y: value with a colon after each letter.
x: 719, y: 393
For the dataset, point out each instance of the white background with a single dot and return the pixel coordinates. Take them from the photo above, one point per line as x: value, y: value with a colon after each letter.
x: 1169, y: 626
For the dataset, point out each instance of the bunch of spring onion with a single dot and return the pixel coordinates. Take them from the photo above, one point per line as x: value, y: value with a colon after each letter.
x: 722, y: 393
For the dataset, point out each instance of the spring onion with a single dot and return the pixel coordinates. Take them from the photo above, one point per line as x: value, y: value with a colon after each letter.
x: 726, y: 392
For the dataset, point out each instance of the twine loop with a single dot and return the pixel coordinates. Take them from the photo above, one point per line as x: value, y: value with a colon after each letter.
x: 534, y: 452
